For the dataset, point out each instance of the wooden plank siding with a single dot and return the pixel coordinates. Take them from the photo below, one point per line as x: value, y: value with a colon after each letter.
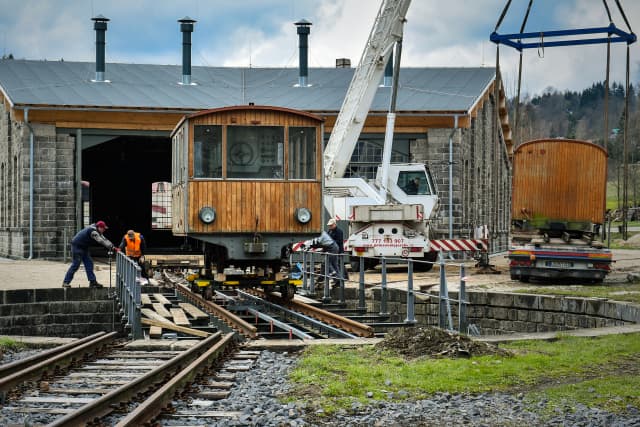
x: 249, y: 205
x: 559, y: 179
x: 240, y: 203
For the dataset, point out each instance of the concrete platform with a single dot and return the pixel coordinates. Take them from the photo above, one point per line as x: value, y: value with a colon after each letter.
x: 32, y: 274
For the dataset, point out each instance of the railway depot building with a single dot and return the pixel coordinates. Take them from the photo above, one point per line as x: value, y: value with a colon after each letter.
x: 85, y: 141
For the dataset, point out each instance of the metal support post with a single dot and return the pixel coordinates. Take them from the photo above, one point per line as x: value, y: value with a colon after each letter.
x: 361, y: 303
x: 383, y: 288
x: 341, y: 279
x: 304, y: 273
x: 326, y: 298
x: 462, y: 303
x: 312, y: 272
x: 411, y: 318
x: 444, y: 312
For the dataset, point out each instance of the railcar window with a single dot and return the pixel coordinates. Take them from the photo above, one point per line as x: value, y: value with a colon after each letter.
x: 255, y: 152
x: 207, y: 151
x: 302, y: 153
x: 161, y: 205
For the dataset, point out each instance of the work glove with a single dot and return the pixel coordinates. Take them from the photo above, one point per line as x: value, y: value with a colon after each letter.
x: 141, y: 259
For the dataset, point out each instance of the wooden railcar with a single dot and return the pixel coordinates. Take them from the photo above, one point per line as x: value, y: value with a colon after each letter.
x: 247, y: 181
x: 559, y: 185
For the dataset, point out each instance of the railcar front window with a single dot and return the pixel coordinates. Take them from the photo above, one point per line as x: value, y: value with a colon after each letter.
x: 255, y: 152
x: 302, y: 153
x: 207, y: 151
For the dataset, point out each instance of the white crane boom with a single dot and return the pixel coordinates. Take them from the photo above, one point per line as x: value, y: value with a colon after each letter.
x: 386, y: 31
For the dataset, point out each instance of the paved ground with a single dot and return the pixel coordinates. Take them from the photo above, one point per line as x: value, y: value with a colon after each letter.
x: 31, y: 274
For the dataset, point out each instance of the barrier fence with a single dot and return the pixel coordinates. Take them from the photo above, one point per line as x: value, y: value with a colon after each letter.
x: 315, y: 269
x: 128, y: 294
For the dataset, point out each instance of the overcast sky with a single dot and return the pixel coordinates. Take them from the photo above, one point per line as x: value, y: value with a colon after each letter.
x: 260, y: 33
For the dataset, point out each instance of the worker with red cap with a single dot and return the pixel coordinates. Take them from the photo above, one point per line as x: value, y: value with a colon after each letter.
x: 80, y: 252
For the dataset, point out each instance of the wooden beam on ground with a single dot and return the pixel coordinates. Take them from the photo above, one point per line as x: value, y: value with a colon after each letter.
x: 145, y: 299
x: 193, y: 311
x: 155, y: 316
x: 167, y: 325
x: 162, y: 299
x: 155, y: 332
x: 179, y: 317
x: 159, y: 308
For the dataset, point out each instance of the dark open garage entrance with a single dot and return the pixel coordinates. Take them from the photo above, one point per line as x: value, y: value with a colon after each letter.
x: 128, y: 179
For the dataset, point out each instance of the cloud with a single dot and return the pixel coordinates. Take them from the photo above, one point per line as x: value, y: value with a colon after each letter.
x: 261, y: 33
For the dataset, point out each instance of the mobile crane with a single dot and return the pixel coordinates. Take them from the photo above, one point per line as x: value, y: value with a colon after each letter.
x: 388, y: 216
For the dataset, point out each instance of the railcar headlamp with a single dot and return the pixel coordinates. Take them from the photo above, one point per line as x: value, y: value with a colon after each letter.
x: 207, y: 214
x: 303, y: 215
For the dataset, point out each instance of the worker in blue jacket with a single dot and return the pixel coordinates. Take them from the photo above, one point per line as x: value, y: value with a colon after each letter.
x: 80, y: 252
x: 327, y: 244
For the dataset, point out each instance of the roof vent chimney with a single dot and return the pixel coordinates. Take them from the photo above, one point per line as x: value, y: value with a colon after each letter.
x: 186, y: 26
x: 100, y: 25
x: 303, y: 37
x: 343, y: 63
x: 388, y: 73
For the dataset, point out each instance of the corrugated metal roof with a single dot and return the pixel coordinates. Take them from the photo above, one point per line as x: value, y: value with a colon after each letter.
x: 68, y: 84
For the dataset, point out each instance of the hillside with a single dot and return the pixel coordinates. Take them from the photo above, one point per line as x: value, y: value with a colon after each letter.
x: 580, y: 115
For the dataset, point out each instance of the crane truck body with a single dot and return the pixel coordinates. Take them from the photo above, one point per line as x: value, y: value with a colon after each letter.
x: 388, y: 216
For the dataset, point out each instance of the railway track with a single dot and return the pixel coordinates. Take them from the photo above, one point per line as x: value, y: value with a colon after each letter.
x: 97, y: 381
x: 257, y: 314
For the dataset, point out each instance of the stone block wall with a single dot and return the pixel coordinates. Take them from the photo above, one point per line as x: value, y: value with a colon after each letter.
x: 54, y: 207
x: 481, y: 172
x: 503, y: 313
x: 73, y: 312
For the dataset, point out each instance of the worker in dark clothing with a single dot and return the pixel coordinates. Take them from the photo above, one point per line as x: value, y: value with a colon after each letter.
x: 338, y: 237
x: 329, y: 246
x: 80, y: 252
x: 336, y: 234
x: 413, y: 186
x: 134, y: 246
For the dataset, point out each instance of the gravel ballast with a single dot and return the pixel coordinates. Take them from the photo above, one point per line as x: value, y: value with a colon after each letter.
x: 257, y: 393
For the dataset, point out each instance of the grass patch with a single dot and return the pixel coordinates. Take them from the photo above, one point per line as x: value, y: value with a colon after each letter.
x: 624, y: 292
x: 7, y: 344
x: 334, y: 377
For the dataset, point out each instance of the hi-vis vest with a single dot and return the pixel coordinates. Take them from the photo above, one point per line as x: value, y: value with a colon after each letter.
x: 133, y: 246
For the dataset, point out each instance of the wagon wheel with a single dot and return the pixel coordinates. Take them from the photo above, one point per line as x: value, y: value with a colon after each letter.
x: 288, y: 291
x: 430, y: 257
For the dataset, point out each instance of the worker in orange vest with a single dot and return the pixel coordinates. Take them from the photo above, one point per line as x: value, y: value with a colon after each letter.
x: 134, y: 245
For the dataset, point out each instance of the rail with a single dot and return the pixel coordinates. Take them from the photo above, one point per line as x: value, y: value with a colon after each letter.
x: 215, y: 347
x: 230, y: 319
x: 330, y: 322
x: 56, y: 359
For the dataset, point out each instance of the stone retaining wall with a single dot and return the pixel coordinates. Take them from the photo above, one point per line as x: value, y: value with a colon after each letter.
x: 503, y: 313
x: 67, y: 313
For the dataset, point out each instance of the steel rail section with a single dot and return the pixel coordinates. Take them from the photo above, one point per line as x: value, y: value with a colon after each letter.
x: 152, y: 407
x: 279, y: 324
x: 326, y: 318
x: 357, y: 328
x: 62, y: 359
x: 21, y: 364
x: 235, y: 322
x: 106, y: 404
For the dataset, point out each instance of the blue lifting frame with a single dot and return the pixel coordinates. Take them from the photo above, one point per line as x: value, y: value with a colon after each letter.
x: 514, y: 40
